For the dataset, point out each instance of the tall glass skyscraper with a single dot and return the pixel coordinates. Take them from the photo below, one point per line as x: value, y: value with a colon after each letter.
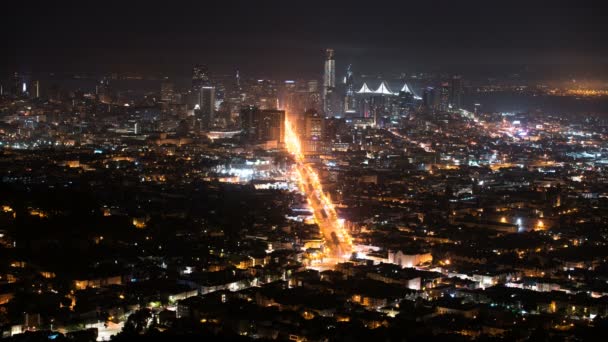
x: 349, y: 84
x: 456, y: 92
x: 329, y: 77
x: 206, y: 106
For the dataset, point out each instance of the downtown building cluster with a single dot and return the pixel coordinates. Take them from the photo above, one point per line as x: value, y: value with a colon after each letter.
x: 174, y: 211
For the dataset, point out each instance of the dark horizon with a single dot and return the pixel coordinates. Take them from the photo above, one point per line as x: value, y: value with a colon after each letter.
x: 287, y: 40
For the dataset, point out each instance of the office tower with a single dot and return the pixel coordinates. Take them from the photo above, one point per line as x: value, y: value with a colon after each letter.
x: 205, y: 106
x: 313, y: 131
x: 456, y: 92
x: 430, y: 98
x: 166, y: 91
x: 334, y: 103
x: 313, y: 125
x: 287, y: 92
x: 287, y: 96
x: 444, y: 97
x: 329, y: 77
x: 263, y: 125
x: 349, y: 99
x: 248, y: 121
x: 15, y: 84
x: 200, y: 77
x: 313, y: 86
x: 273, y: 125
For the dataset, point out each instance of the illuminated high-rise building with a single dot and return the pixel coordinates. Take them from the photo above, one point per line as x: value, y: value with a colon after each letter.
x: 200, y: 77
x: 248, y: 121
x: 263, y: 125
x: 329, y: 77
x: 430, y: 98
x: 313, y: 131
x: 444, y: 97
x: 313, y: 86
x: 349, y: 99
x: 202, y: 97
x: 456, y: 92
x: 314, y: 125
x: 205, y: 106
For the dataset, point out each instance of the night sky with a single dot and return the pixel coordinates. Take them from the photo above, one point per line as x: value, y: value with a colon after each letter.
x: 286, y: 38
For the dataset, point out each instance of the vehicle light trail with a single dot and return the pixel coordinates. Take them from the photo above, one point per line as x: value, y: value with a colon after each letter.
x: 338, y: 240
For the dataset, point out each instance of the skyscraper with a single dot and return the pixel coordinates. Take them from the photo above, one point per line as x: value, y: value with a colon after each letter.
x: 349, y: 98
x: 263, y: 125
x: 430, y: 98
x: 444, y: 96
x: 456, y: 92
x: 200, y: 77
x: 313, y: 125
x: 206, y: 106
x: 313, y: 131
x: 313, y: 86
x: 329, y: 77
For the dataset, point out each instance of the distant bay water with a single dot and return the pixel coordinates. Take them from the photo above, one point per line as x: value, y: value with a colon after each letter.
x: 526, y: 103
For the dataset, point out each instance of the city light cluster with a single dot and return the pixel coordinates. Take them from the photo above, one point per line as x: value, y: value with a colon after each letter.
x: 324, y: 210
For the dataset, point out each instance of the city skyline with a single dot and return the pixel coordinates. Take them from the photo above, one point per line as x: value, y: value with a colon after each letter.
x: 306, y: 171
